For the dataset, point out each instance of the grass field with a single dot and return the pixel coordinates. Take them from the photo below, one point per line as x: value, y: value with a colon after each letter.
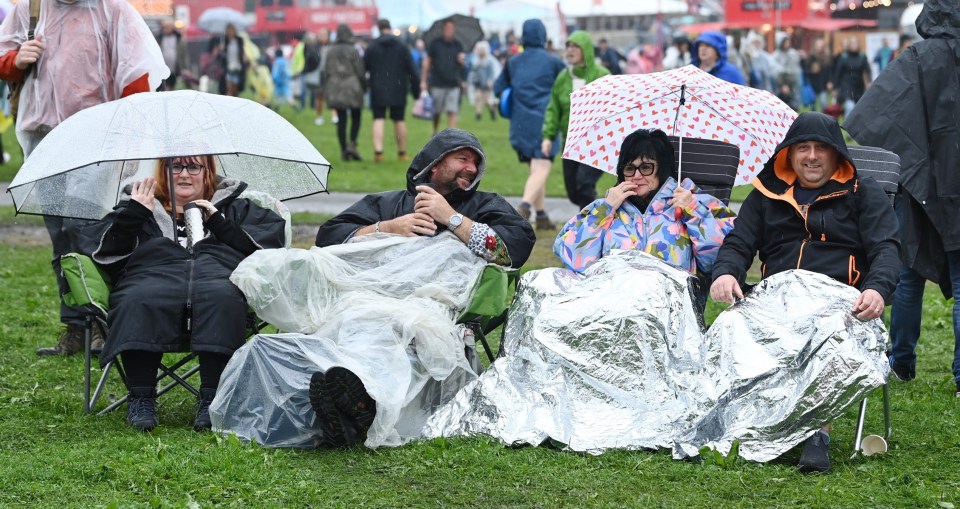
x: 51, y: 454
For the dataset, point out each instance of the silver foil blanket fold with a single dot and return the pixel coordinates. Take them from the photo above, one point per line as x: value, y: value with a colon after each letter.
x: 617, y: 358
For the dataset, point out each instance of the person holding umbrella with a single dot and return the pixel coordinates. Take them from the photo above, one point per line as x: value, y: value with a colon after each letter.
x: 83, y: 54
x: 649, y: 211
x: 166, y: 290
x: 580, y: 179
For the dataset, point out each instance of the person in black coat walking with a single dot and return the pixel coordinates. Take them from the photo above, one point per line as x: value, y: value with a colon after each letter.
x: 167, y: 298
x: 392, y: 74
x: 913, y: 109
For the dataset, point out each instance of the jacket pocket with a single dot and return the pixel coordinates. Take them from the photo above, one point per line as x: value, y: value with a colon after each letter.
x: 853, y: 275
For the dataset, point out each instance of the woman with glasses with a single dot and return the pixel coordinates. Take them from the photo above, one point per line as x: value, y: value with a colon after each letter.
x: 168, y: 297
x: 647, y: 210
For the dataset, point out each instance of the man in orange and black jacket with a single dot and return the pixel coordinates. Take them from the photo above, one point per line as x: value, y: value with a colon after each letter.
x: 811, y: 211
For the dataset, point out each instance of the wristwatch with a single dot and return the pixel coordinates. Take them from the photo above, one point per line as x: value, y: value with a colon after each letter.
x: 455, y: 221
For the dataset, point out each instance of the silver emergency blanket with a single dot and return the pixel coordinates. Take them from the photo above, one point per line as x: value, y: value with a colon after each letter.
x: 615, y: 358
x: 383, y: 307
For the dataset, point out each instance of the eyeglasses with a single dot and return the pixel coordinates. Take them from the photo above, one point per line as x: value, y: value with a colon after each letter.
x: 645, y: 169
x: 192, y: 169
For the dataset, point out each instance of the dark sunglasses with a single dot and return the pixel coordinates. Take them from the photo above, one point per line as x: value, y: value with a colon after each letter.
x: 645, y: 169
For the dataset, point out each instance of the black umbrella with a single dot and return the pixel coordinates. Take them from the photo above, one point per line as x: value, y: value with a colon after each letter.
x: 468, y: 30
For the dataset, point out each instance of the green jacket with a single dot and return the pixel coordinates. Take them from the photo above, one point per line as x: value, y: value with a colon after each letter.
x: 558, y: 110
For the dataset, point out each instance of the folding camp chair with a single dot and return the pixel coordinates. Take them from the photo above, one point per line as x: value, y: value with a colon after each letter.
x: 710, y: 164
x: 492, y: 295
x: 90, y: 290
x: 884, y: 167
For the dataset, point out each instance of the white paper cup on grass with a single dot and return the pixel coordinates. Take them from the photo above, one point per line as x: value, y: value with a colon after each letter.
x: 873, y: 444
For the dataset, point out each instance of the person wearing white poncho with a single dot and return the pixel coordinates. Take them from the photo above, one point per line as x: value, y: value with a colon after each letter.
x: 375, y: 310
x: 85, y: 52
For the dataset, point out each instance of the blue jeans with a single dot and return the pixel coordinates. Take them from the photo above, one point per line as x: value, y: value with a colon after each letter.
x: 907, y: 311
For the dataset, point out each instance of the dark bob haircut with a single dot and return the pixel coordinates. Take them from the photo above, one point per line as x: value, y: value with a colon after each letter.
x: 652, y: 145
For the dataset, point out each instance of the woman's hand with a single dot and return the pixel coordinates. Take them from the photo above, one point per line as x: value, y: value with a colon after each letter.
x: 682, y: 198
x: 617, y: 194
x: 208, y: 208
x: 144, y: 192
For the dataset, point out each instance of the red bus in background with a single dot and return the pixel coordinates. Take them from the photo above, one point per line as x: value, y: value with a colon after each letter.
x: 295, y: 16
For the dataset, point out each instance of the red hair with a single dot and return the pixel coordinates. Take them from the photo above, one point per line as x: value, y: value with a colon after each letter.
x: 209, y: 176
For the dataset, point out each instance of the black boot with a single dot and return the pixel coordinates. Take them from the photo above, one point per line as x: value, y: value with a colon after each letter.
x: 142, y: 408
x: 815, y: 457
x: 202, y: 421
x: 337, y: 429
x: 352, y: 151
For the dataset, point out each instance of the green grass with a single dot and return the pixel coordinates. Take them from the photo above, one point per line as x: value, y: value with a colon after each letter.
x: 51, y: 454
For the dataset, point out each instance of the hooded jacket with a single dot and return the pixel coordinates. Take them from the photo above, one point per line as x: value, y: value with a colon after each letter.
x: 557, y: 117
x: 912, y: 109
x: 849, y: 232
x: 689, y: 243
x: 486, y: 208
x: 344, y: 79
x: 392, y: 73
x: 531, y: 74
x: 160, y: 287
x: 723, y: 69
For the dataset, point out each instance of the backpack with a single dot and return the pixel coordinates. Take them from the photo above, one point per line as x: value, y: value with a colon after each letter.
x: 311, y: 59
x: 15, y: 86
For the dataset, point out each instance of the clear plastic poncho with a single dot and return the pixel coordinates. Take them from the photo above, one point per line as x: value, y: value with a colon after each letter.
x: 382, y: 306
x: 94, y: 48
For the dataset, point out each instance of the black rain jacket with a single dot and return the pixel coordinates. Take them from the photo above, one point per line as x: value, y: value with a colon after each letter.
x: 913, y: 109
x: 392, y: 72
x: 488, y: 208
x: 849, y: 232
x: 159, y: 286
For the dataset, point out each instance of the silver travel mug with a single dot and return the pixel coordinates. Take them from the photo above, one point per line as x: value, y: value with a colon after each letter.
x: 193, y: 218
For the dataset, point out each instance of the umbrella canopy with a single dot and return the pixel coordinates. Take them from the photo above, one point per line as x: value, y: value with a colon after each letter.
x: 80, y: 168
x: 215, y: 20
x: 685, y: 102
x: 468, y: 30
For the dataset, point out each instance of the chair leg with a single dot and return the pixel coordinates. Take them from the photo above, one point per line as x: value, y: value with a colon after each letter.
x: 859, y: 434
x: 886, y: 413
x: 87, y: 339
x: 482, y: 338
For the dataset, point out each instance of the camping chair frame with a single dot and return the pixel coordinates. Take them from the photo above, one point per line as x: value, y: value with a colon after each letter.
x: 490, y: 302
x: 884, y: 167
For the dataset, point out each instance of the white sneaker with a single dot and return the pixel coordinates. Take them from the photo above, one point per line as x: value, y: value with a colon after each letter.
x: 6, y: 158
x: 318, y: 121
x: 335, y: 120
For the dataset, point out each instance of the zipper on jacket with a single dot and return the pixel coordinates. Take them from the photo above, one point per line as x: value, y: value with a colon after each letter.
x: 190, y: 296
x: 823, y: 226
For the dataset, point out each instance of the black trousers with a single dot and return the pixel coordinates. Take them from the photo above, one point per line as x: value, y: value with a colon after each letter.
x: 141, y: 368
x: 354, y: 118
x: 581, y: 182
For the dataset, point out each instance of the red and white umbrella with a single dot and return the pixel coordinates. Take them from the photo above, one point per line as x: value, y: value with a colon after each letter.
x: 684, y: 102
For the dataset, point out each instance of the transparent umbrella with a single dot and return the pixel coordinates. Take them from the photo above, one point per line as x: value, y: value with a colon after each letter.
x: 80, y: 168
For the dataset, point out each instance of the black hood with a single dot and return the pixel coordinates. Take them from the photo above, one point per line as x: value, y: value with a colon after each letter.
x: 813, y: 126
x: 388, y: 39
x: 443, y: 143
x: 939, y: 19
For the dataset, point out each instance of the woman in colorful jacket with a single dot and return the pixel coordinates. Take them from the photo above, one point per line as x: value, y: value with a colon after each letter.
x: 647, y: 210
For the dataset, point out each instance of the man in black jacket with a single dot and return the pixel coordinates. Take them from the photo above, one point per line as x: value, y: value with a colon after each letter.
x: 912, y: 110
x: 811, y: 211
x: 441, y: 195
x: 392, y: 74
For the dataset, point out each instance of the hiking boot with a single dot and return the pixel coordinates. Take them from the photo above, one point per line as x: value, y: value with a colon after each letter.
x: 903, y: 372
x: 524, y: 211
x: 337, y: 429
x: 402, y: 156
x: 70, y: 342
x: 350, y: 396
x: 96, y: 341
x: 352, y: 151
x: 378, y: 157
x: 142, y: 408
x: 815, y: 457
x: 544, y: 223
x: 202, y: 421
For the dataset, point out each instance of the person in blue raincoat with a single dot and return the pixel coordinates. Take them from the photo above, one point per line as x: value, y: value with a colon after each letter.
x: 531, y: 74
x: 710, y: 54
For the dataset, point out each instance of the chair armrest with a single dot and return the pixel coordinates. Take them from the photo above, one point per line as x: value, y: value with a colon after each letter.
x: 89, y: 284
x: 491, y: 294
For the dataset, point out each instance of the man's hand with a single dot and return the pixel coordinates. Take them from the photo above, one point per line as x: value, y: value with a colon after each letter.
x: 545, y: 147
x: 725, y: 288
x: 144, y: 192
x: 410, y: 225
x: 617, y: 194
x: 433, y: 204
x: 869, y: 305
x: 29, y: 53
